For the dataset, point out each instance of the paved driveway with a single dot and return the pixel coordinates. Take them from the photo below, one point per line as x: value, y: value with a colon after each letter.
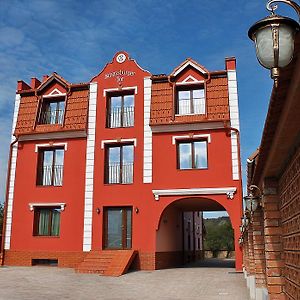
x: 201, y: 281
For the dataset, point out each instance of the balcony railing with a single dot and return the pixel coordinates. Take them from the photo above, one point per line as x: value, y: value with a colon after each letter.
x: 118, y: 173
x: 51, y: 175
x: 121, y: 117
x: 185, y: 107
x: 52, y: 116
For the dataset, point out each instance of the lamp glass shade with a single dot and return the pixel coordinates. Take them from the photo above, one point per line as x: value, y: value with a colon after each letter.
x: 251, y: 203
x: 264, y: 47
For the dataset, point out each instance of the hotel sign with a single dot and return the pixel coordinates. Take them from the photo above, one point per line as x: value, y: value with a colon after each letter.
x: 119, y: 75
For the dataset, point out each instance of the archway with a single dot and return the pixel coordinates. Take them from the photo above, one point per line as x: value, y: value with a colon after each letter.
x: 174, y: 246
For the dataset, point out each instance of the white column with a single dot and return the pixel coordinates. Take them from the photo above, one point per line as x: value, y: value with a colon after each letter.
x: 147, y: 178
x: 89, y: 173
x: 234, y: 120
x: 12, y: 177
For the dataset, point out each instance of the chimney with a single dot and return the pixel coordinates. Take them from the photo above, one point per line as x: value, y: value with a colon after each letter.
x: 22, y: 86
x: 45, y: 77
x: 230, y: 63
x: 34, y: 83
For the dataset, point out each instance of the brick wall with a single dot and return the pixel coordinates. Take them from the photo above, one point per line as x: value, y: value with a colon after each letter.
x: 289, y: 187
x: 24, y: 258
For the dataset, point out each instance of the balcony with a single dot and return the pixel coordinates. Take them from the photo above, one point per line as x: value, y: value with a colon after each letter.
x: 120, y: 173
x: 196, y: 106
x: 52, y: 116
x: 121, y: 117
x: 51, y: 175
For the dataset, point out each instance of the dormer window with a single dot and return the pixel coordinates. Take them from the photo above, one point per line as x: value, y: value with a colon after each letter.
x: 52, y: 111
x: 190, y: 100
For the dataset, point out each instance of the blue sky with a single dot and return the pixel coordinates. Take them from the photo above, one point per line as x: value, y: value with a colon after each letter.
x: 77, y: 38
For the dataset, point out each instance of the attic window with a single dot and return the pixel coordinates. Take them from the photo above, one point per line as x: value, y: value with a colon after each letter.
x: 190, y: 100
x: 52, y: 111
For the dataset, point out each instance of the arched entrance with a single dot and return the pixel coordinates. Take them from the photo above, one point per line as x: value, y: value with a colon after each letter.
x: 180, y: 216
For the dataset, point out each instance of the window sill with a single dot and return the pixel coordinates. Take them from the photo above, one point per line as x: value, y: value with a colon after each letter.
x: 46, y: 236
x: 178, y: 115
x: 120, y: 127
x: 194, y: 169
x: 113, y: 184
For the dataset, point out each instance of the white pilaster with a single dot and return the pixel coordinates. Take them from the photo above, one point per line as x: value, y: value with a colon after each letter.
x: 89, y: 173
x: 12, y: 177
x: 234, y: 121
x: 147, y: 132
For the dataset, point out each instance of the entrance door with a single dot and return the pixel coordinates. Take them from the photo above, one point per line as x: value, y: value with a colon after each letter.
x: 117, y: 227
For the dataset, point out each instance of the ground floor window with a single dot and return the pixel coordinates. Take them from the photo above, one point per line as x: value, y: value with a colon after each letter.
x: 46, y: 221
x: 117, y: 228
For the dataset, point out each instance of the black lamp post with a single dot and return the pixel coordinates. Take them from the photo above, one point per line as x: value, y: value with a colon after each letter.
x: 274, y: 38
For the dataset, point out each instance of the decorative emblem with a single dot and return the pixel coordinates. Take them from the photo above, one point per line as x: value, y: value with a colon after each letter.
x: 230, y: 195
x: 121, y: 58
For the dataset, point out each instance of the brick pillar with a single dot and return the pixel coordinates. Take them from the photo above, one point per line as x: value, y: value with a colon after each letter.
x: 273, y: 241
x: 251, y: 263
x: 246, y: 253
x: 251, y: 268
x: 259, y: 251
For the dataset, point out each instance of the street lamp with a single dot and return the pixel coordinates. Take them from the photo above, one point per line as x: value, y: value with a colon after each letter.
x: 252, y: 201
x: 274, y: 38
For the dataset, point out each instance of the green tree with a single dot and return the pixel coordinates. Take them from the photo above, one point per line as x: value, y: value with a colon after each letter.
x: 219, y: 235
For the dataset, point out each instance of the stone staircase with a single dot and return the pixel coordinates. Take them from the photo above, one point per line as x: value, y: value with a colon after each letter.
x: 107, y: 262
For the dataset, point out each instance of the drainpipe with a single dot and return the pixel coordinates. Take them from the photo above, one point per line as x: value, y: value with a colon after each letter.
x: 6, y: 200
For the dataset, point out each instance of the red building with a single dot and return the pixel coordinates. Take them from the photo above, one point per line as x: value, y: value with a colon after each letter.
x: 113, y: 163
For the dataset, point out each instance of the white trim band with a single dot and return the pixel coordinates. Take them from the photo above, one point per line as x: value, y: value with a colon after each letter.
x: 103, y: 142
x: 228, y: 191
x: 37, y: 146
x: 127, y: 88
x: 33, y: 205
x: 192, y: 137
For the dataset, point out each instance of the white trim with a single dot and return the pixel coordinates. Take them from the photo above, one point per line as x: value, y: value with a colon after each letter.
x: 189, y: 63
x: 147, y: 167
x: 195, y: 136
x: 228, y: 191
x: 187, y: 127
x: 194, y: 81
x: 37, y: 146
x: 62, y: 205
x: 89, y: 171
x: 53, y: 135
x: 103, y: 142
x: 234, y: 121
x: 105, y: 91
x: 11, y: 185
x: 51, y: 94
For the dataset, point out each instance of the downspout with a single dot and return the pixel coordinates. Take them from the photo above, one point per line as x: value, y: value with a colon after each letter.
x: 6, y: 199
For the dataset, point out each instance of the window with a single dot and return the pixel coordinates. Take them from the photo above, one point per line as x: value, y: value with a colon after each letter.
x: 50, y: 166
x: 120, y: 111
x: 190, y: 100
x: 192, y: 154
x: 119, y: 164
x: 46, y: 221
x: 52, y: 111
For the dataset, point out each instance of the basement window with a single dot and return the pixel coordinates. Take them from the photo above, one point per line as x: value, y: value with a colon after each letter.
x: 44, y: 262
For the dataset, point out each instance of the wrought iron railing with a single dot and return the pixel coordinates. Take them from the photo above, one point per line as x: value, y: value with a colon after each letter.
x: 52, y: 116
x: 196, y: 107
x: 121, y: 117
x: 120, y: 173
x: 51, y: 175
